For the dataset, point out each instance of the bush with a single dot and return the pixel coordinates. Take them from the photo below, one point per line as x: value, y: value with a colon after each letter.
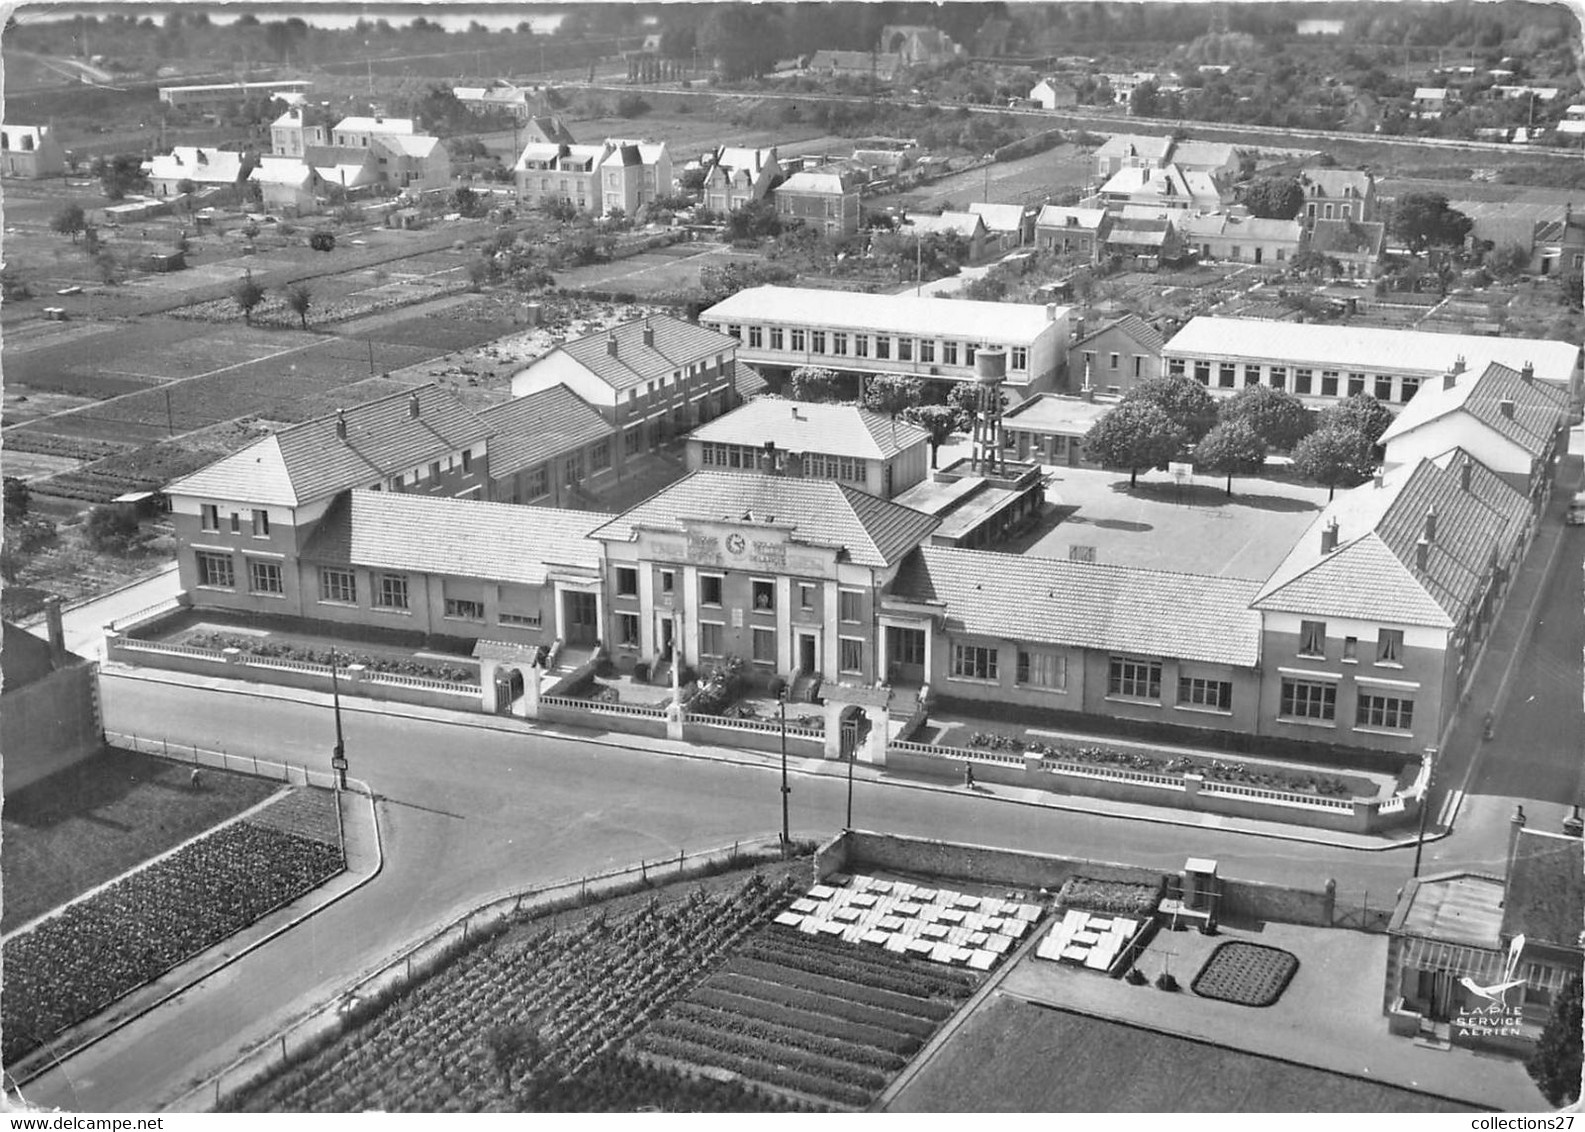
x: 111, y: 529
x: 1136, y: 977
x: 1166, y: 982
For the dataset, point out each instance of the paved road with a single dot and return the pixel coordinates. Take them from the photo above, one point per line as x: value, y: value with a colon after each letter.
x: 85, y: 624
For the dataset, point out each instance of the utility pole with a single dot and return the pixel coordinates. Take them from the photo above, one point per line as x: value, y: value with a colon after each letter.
x: 786, y: 836
x: 371, y: 354
x: 338, y: 757
x: 1425, y: 806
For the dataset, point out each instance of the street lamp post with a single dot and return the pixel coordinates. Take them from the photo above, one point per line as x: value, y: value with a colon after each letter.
x: 338, y: 757
x: 786, y: 837
x: 1425, y: 806
x: 853, y: 757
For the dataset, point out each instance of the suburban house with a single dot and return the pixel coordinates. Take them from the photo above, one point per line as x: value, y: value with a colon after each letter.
x: 497, y: 95
x: 867, y: 450
x: 1145, y: 243
x: 1241, y: 239
x: 1355, y: 245
x: 1124, y: 83
x: 30, y: 152
x: 1509, y: 421
x: 1131, y: 151
x: 1337, y: 194
x: 550, y: 449
x: 1322, y: 363
x: 1432, y: 101
x: 241, y: 523
x: 967, y: 226
x: 1168, y: 189
x: 916, y: 336
x: 781, y: 571
x: 1551, y: 236
x: 1117, y: 355
x: 404, y: 158
x: 653, y: 379
x: 1079, y: 232
x: 296, y: 130
x: 828, y: 201
x: 361, y: 131
x: 549, y: 172
x: 1051, y: 428
x: 1051, y: 92
x: 633, y: 175
x: 1216, y: 158
x: 735, y: 176
x: 286, y: 184
x: 349, y: 167
x: 206, y: 168
x: 1451, y: 930
x: 1008, y: 225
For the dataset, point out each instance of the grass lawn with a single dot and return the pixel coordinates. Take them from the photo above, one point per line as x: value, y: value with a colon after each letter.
x: 93, y: 821
x: 1013, y: 1056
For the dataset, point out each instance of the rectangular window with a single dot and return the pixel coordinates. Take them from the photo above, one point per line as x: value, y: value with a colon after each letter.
x: 391, y: 591
x: 850, y: 605
x: 1390, y: 712
x: 626, y: 581
x: 850, y: 655
x: 1356, y: 383
x: 1113, y: 361
x: 338, y: 585
x: 632, y: 443
x: 806, y: 595
x: 538, y: 482
x: 839, y: 343
x: 764, y: 645
x: 1383, y: 387
x: 949, y: 353
x: 236, y: 523
x: 974, y: 662
x: 1226, y: 375
x: 1389, y: 646
x: 1329, y: 383
x: 711, y: 634
x: 1133, y: 679
x: 968, y: 352
x: 464, y: 609
x: 1214, y: 694
x: 1139, y: 365
x: 1018, y: 357
x: 573, y: 469
x: 927, y: 350
x: 861, y: 345
x: 1308, y: 699
x: 764, y: 595
x: 1408, y: 386
x: 1042, y: 669
x: 1351, y: 649
x: 710, y: 589
x: 1202, y: 372
x: 600, y: 456
x: 1175, y: 367
x: 905, y: 349
x: 209, y: 517
x: 668, y: 581
x: 883, y: 346
x: 261, y: 523
x: 215, y: 570
x: 434, y: 470
x: 798, y: 340
x: 756, y: 337
x: 1251, y: 375
x: 817, y: 341
x: 1303, y: 381
x: 627, y: 630
x: 264, y: 577
x: 1279, y: 377
x: 735, y: 331
x: 467, y: 460
x: 1312, y: 638
x: 776, y: 338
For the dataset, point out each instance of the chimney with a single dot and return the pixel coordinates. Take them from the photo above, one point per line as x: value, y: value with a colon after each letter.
x: 341, y: 424
x: 1528, y: 372
x: 1329, y: 537
x: 1450, y: 379
x: 1051, y: 312
x: 1505, y: 406
x: 1087, y: 390
x: 57, y: 630
x: 649, y: 333
x: 610, y: 344
x: 1465, y: 471
x: 1515, y: 825
x: 769, y: 458
x: 412, y: 406
x: 797, y: 416
x: 1380, y: 478
x: 1430, y: 523
x: 1422, y: 555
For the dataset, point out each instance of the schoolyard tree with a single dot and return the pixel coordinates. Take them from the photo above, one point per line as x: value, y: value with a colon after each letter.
x: 69, y: 221
x: 299, y: 298
x: 1277, y: 416
x: 938, y: 420
x: 1232, y: 448
x: 1361, y: 412
x: 1555, y: 1065
x: 247, y: 294
x: 1135, y: 435
x: 813, y: 383
x: 1185, y: 400
x: 1336, y: 456
x: 891, y: 393
x: 964, y: 401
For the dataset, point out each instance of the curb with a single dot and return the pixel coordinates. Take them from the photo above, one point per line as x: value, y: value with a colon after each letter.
x: 724, y: 755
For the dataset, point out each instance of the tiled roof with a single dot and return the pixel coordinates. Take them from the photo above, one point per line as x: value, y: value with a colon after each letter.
x: 200, y: 164
x: 927, y: 315
x: 530, y: 430
x: 1000, y: 217
x: 1202, y: 154
x: 1056, y: 216
x: 1373, y: 574
x: 748, y: 381
x: 283, y: 171
x: 812, y: 182
x: 677, y: 344
x: 466, y: 538
x: 376, y: 125
x: 409, y: 145
x: 1248, y: 227
x: 1545, y: 898
x: 309, y: 461
x: 1135, y: 329
x: 1347, y: 237
x: 1135, y: 145
x: 965, y: 224
x: 1087, y: 605
x: 1538, y: 408
x: 873, y: 531
x: 802, y: 426
x: 1333, y: 182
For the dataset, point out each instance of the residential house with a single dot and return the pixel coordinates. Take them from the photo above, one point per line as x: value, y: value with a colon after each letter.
x: 241, y: 522
x: 30, y: 152
x: 967, y: 226
x: 1573, y: 120
x: 550, y: 449
x: 1131, y: 151
x: 1551, y: 235
x: 1052, y: 428
x: 1512, y: 423
x: 1321, y: 363
x: 918, y: 45
x: 654, y: 379
x: 1338, y: 194
x: 1146, y: 243
x: 557, y: 172
x: 1538, y: 93
x: 735, y: 176
x: 352, y: 168
x: 1454, y: 932
x: 886, y: 157
x: 404, y: 158
x: 880, y: 65
x: 1008, y: 225
x: 361, y: 131
x: 203, y: 166
x: 549, y: 128
x: 1123, y: 83
x: 1117, y: 355
x: 1168, y: 189
x: 1216, y: 158
x: 1241, y: 239
x: 286, y: 184
x: 823, y: 200
x: 1432, y: 101
x: 297, y: 130
x: 1355, y: 245
x: 1051, y: 93
x: 783, y: 328
x: 1079, y: 232
x: 498, y: 95
x: 633, y: 175
x: 870, y: 451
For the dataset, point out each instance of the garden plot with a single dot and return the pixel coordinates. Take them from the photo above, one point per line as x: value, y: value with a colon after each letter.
x: 1249, y: 974
x: 1090, y: 940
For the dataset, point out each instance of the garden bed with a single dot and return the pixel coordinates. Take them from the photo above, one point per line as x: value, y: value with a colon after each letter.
x: 1250, y: 974
x: 1112, y: 897
x: 315, y: 654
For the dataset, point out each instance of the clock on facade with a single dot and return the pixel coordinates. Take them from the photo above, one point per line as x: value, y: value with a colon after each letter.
x: 735, y: 543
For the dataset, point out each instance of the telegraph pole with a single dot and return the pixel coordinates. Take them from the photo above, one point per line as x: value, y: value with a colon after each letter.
x: 1425, y: 805
x: 786, y: 836
x: 338, y: 757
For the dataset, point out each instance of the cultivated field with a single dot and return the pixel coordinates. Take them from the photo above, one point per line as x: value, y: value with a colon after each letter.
x: 661, y: 271
x: 1028, y: 180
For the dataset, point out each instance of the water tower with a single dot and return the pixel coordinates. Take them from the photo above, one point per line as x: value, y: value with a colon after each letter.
x: 990, y: 370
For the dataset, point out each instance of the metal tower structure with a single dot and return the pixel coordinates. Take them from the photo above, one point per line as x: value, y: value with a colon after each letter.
x: 988, y: 457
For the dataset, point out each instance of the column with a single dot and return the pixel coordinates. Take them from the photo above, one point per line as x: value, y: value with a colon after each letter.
x: 487, y: 699
x: 648, y: 647
x: 786, y: 647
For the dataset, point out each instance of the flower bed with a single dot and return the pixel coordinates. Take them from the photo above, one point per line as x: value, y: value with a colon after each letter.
x: 1112, y: 897
x: 283, y: 650
x: 1250, y: 974
x: 72, y: 966
x: 1216, y: 770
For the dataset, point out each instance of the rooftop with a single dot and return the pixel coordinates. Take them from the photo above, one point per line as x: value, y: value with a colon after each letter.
x: 1136, y: 145
x: 1056, y: 216
x: 1249, y: 227
x: 1054, y: 413
x: 964, y: 224
x: 1545, y: 900
x: 1134, y: 327
x: 872, y: 531
x: 926, y: 315
x: 1347, y: 237
x: 1461, y: 908
x: 1538, y: 408
x: 676, y: 344
x: 811, y: 181
x: 801, y: 426
x: 530, y: 430
x: 1000, y: 217
x: 1338, y: 182
x: 380, y: 125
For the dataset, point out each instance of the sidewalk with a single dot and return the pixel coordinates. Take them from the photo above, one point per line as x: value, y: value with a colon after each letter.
x: 365, y: 859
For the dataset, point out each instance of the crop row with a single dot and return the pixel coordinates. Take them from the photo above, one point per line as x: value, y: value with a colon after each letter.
x: 613, y: 1083
x: 933, y: 1009
x: 769, y: 1049
x: 880, y: 1037
x: 742, y: 1025
x: 767, y: 1068
x: 875, y: 965
x: 798, y: 998
x: 71, y: 966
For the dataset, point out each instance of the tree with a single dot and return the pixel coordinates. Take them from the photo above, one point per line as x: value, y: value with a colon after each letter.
x: 1183, y: 399
x: 111, y: 529
x: 631, y: 105
x: 187, y: 188
x: 812, y: 383
x: 964, y: 401
x: 1361, y: 412
x: 1333, y: 457
x: 1135, y: 435
x: 467, y: 202
x: 1423, y: 220
x: 512, y: 1045
x: 1145, y: 101
x: 69, y: 221
x: 1275, y: 198
x: 743, y: 39
x: 18, y: 497
x: 1232, y: 448
x: 247, y: 294
x: 891, y: 393
x: 1506, y: 260
x: 1555, y: 1065
x: 753, y: 221
x: 322, y: 241
x: 691, y: 180
x: 1277, y: 416
x: 299, y: 298
x: 119, y: 175
x: 938, y: 420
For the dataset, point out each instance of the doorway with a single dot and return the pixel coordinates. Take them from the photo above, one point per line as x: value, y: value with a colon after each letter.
x: 580, y: 611
x: 808, y: 653
x: 668, y: 639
